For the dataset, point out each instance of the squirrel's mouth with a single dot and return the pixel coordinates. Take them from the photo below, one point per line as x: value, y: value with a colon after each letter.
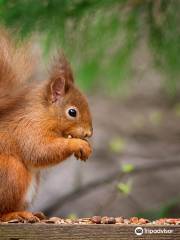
x: 69, y: 136
x: 78, y: 133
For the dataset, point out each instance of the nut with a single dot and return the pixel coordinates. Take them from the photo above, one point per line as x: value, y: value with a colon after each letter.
x: 160, y: 221
x: 96, y: 219
x: 69, y: 221
x: 143, y: 221
x: 171, y: 220
x: 84, y: 221
x: 56, y: 220
x: 111, y: 220
x: 104, y: 220
x: 108, y: 220
x: 119, y: 220
x: 127, y: 221
x: 134, y: 220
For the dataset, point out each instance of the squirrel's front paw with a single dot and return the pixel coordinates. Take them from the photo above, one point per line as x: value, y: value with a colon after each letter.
x: 83, y: 150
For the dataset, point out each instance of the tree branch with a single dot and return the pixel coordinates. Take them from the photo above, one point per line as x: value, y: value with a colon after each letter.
x: 82, y: 190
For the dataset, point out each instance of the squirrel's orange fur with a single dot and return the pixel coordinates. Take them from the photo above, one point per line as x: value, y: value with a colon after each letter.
x: 34, y: 125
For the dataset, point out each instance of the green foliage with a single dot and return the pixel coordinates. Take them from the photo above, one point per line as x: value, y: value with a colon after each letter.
x: 127, y: 168
x: 100, y: 36
x: 117, y: 145
x: 125, y: 188
x: 164, y: 35
x: 165, y: 211
x: 87, y: 30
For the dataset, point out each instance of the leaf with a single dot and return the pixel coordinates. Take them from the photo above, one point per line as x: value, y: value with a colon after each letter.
x: 125, y: 188
x: 127, y: 168
x: 117, y: 145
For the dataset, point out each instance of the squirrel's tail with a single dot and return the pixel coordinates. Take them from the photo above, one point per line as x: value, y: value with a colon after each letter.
x: 16, y: 67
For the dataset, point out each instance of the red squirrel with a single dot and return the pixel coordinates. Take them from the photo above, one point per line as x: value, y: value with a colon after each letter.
x: 41, y: 124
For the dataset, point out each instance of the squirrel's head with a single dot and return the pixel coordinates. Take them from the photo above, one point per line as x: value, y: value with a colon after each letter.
x: 67, y: 103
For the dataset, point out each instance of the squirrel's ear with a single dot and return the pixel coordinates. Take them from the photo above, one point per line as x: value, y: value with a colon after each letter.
x: 57, y: 89
x: 61, y: 78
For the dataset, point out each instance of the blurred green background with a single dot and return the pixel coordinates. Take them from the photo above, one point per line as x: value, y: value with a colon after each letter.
x: 111, y: 44
x: 100, y: 36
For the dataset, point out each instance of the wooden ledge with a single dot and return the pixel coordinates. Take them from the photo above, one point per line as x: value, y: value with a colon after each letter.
x: 41, y: 231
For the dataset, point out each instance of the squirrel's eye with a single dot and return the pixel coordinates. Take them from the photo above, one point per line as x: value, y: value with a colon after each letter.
x: 72, y: 112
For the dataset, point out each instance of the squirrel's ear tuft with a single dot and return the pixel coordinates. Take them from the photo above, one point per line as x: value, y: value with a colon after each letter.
x: 61, y: 78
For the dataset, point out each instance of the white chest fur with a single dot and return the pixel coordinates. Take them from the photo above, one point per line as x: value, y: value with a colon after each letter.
x: 32, y: 189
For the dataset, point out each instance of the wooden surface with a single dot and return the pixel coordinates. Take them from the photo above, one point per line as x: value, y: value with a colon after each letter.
x: 82, y: 232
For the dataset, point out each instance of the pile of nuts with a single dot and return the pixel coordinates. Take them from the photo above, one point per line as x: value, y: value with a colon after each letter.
x: 98, y: 220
